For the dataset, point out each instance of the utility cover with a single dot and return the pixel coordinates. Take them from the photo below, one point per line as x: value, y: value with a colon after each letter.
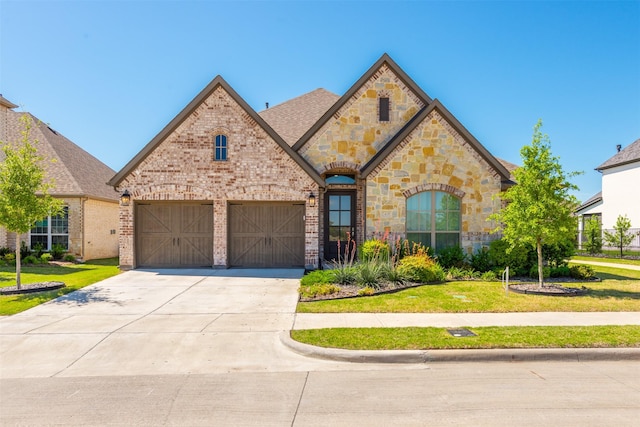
x: 461, y: 333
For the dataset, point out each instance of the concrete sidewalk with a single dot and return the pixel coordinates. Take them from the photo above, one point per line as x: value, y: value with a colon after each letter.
x: 607, y: 264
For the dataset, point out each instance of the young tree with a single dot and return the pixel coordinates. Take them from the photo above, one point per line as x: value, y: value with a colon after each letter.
x: 539, y: 207
x: 619, y: 238
x: 24, y: 197
x: 593, y: 234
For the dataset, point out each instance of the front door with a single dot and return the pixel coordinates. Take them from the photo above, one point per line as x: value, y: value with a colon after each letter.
x: 339, y: 223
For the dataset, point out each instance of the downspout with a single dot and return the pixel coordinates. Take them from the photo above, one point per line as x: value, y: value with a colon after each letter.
x: 84, y: 235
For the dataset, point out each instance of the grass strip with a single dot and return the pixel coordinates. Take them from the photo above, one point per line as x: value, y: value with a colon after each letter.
x: 416, y: 338
x: 74, y: 276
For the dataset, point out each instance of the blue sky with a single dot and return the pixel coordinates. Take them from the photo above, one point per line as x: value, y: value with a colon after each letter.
x: 110, y: 75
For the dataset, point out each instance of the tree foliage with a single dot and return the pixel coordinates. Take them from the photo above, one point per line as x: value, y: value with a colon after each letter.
x: 538, y: 209
x: 24, y: 197
x: 593, y: 235
x: 621, y: 237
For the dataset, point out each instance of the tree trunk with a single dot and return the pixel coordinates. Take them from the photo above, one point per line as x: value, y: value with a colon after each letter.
x: 540, y: 268
x: 18, y: 283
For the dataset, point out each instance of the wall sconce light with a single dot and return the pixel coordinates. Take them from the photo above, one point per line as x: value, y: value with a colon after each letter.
x: 312, y: 200
x: 125, y: 199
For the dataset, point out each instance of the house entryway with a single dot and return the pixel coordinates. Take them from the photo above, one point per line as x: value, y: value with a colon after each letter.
x: 264, y: 235
x: 174, y: 234
x: 339, y: 221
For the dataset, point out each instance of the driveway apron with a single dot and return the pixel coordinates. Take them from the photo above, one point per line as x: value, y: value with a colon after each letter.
x: 148, y: 322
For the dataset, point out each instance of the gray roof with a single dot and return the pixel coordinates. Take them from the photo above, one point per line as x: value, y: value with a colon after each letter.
x: 590, y: 201
x: 75, y: 172
x: 293, y: 118
x: 629, y: 154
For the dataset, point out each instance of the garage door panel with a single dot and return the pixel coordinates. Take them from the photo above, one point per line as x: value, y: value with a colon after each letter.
x: 266, y: 235
x: 174, y: 235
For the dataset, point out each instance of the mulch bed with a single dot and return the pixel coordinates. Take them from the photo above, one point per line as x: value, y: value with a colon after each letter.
x: 548, y: 289
x: 351, y: 291
x: 32, y: 287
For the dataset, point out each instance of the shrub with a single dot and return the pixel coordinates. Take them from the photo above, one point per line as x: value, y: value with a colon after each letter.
x: 46, y: 257
x: 10, y: 257
x: 320, y: 289
x: 371, y: 273
x: 37, y: 249
x: 582, y: 272
x: 593, y: 235
x: 421, y: 269
x: 546, y: 272
x: 30, y: 259
x: 481, y: 261
x: 57, y: 250
x: 452, y: 257
x: 560, y: 272
x: 455, y: 273
x: 517, y: 259
x: 4, y: 250
x: 345, y: 275
x: 315, y: 277
x: 69, y: 258
x: 556, y: 255
x: 396, y: 276
x: 374, y: 249
x: 489, y: 276
x: 365, y: 292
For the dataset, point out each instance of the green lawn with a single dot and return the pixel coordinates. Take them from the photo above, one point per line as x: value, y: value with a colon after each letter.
x: 487, y: 337
x: 74, y: 276
x: 618, y: 291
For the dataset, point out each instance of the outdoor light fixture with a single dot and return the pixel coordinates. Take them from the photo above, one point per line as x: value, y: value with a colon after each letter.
x: 312, y: 200
x: 125, y: 198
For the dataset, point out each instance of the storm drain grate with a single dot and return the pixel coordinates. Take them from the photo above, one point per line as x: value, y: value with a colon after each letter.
x: 461, y: 333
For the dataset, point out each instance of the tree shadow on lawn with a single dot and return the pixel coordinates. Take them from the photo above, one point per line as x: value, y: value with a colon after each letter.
x: 609, y: 276
x: 613, y: 293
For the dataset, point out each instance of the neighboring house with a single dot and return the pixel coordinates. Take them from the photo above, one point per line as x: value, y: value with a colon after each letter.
x: 618, y: 196
x: 88, y: 227
x: 224, y: 186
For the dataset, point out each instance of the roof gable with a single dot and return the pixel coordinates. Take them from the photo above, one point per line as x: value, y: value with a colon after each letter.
x: 75, y: 172
x: 217, y: 82
x: 385, y: 60
x: 629, y: 154
x: 436, y: 105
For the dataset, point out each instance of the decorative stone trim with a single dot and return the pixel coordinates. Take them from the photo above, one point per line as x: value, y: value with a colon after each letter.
x: 431, y: 187
x: 340, y: 167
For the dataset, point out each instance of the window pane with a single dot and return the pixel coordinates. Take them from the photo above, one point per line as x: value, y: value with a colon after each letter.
x: 345, y: 218
x: 453, y: 221
x: 441, y: 221
x: 412, y: 203
x: 447, y: 240
x: 425, y: 201
x: 413, y: 221
x: 334, y: 218
x: 334, y: 203
x: 334, y: 234
x: 384, y: 109
x: 340, y: 179
x: 345, y: 203
x: 422, y: 238
x: 39, y: 240
x: 60, y: 240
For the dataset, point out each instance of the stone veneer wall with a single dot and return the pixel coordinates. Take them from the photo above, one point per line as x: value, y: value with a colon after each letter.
x: 434, y: 157
x: 182, y: 168
x: 355, y: 134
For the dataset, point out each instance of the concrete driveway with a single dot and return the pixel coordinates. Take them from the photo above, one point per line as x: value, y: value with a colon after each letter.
x: 160, y: 322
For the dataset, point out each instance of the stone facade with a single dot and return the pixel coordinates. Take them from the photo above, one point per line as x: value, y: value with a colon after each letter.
x: 434, y: 157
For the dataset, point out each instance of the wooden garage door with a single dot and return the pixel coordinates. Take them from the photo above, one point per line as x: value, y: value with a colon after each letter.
x: 266, y: 235
x: 174, y: 235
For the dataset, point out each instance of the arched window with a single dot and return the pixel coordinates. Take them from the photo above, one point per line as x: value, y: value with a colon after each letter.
x: 433, y: 219
x: 220, y: 152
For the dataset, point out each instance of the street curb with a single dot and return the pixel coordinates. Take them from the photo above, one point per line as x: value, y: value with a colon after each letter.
x: 467, y: 355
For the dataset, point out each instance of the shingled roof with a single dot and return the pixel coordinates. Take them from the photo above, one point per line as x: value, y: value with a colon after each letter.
x: 75, y: 172
x: 293, y: 118
x: 629, y: 154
